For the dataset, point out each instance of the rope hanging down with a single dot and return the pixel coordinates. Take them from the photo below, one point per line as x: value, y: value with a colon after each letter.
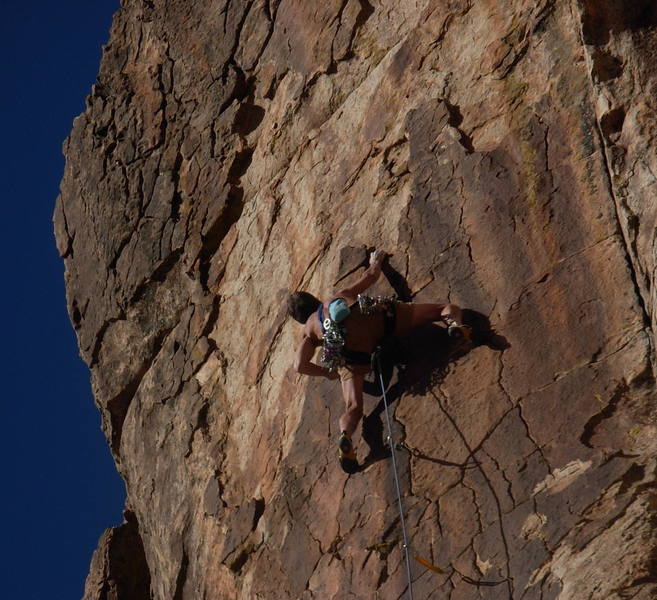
x: 393, y: 448
x: 394, y: 470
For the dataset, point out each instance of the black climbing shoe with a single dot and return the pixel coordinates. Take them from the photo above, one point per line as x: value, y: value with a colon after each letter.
x: 347, y: 455
x: 460, y: 332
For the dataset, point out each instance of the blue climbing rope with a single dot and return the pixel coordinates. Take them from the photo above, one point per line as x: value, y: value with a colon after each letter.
x: 394, y: 470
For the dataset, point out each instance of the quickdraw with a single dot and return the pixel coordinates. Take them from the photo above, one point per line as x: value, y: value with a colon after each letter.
x: 333, y: 344
x: 369, y: 304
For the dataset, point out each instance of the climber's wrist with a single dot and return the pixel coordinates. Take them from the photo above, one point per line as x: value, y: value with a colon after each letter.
x: 376, y: 258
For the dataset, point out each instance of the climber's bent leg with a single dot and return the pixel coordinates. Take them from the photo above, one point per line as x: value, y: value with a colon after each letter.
x: 352, y: 391
x: 410, y: 316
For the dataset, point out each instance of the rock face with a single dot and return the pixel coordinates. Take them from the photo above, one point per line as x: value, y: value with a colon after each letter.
x: 119, y: 568
x: 504, y: 154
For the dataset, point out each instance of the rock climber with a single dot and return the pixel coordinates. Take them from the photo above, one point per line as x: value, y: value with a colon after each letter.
x: 349, y: 326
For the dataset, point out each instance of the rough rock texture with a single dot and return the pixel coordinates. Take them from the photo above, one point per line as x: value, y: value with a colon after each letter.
x: 504, y: 153
x: 118, y: 568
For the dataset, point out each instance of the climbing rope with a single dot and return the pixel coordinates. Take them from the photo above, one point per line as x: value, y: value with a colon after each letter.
x: 394, y: 470
x: 401, y: 445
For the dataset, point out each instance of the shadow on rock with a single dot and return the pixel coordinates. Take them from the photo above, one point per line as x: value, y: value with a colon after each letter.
x: 414, y: 366
x: 397, y: 282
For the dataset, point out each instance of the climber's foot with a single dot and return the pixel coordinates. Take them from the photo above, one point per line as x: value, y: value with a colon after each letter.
x: 347, y: 454
x: 460, y: 332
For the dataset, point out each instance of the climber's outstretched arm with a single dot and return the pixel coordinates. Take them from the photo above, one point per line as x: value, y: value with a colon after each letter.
x: 369, y: 277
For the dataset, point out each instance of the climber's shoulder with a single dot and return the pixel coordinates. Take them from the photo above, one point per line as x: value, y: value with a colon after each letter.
x: 311, y: 329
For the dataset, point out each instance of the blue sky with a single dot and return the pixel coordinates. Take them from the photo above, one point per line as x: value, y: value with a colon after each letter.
x: 61, y: 487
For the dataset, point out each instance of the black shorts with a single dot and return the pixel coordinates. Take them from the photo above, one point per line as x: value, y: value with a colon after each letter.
x: 355, y: 357
x: 389, y: 319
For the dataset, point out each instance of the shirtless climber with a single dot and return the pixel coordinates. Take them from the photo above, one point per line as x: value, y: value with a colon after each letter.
x: 350, y: 328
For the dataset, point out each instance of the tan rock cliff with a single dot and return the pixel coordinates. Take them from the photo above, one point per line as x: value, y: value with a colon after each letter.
x: 503, y: 153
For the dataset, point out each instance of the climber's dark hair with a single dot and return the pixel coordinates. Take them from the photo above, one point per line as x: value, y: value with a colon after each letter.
x: 301, y: 305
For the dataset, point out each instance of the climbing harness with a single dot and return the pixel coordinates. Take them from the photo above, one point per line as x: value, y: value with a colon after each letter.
x: 333, y: 354
x: 394, y: 470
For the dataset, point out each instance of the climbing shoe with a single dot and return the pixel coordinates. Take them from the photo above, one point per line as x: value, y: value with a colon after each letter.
x: 347, y: 455
x: 460, y: 332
